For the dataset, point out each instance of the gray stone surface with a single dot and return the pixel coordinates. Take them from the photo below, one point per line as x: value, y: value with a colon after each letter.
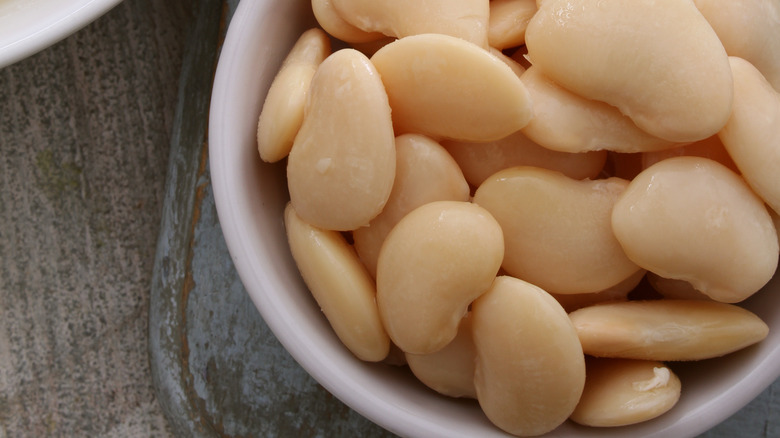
x: 84, y: 133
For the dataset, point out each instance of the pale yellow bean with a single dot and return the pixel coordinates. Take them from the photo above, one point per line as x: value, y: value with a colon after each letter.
x: 445, y: 87
x: 330, y: 20
x: 449, y: 371
x: 692, y: 219
x: 677, y: 85
x: 465, y: 19
x: 551, y: 221
x: 530, y: 369
x: 342, y: 165
x: 341, y: 286
x: 282, y: 112
x: 752, y: 134
x: 619, y: 392
x: 424, y: 173
x: 508, y: 20
x: 481, y: 160
x: 749, y: 29
x: 666, y: 330
x: 566, y: 122
x: 433, y: 264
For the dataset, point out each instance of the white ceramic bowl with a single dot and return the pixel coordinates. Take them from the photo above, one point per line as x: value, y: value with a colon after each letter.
x: 250, y: 196
x: 28, y: 26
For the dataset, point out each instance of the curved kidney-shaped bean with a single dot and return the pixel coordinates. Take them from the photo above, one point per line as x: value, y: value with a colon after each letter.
x: 341, y: 286
x: 619, y: 392
x: 566, y: 122
x: 551, y: 221
x: 342, y: 165
x: 445, y: 87
x: 282, y: 112
x: 433, y: 264
x: 530, y: 369
x: 677, y: 84
x: 692, y: 219
x: 666, y: 330
x: 752, y: 134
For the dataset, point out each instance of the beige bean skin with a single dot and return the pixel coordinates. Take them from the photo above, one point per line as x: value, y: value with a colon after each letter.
x: 342, y: 165
x: 549, y: 221
x: 530, y: 369
x: 340, y: 285
x: 425, y: 172
x: 566, y: 122
x: 752, y: 134
x: 433, y: 264
x: 508, y: 20
x: 449, y: 371
x: 445, y: 87
x: 465, y: 19
x: 481, y: 160
x: 282, y: 113
x: 678, y: 83
x: 330, y: 20
x: 749, y: 29
x: 692, y: 219
x: 666, y: 330
x: 619, y: 392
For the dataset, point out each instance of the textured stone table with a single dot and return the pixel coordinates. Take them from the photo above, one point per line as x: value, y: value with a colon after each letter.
x: 120, y: 312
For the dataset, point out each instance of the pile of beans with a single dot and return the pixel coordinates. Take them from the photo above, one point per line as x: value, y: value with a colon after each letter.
x: 535, y: 204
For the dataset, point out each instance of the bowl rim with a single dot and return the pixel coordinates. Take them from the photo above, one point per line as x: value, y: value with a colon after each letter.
x: 232, y: 212
x: 33, y: 32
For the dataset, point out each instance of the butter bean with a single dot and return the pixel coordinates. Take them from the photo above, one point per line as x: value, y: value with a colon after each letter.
x: 424, y: 173
x: 341, y: 168
x: 433, y: 264
x: 666, y: 330
x: 465, y: 19
x: 677, y: 85
x: 551, y: 221
x: 445, y: 87
x: 619, y: 392
x: 340, y: 285
x: 328, y: 17
x: 508, y: 21
x: 566, y: 122
x: 692, y: 219
x: 449, y: 371
x: 752, y: 134
x: 481, y: 160
x: 282, y: 112
x: 749, y: 29
x: 530, y: 369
